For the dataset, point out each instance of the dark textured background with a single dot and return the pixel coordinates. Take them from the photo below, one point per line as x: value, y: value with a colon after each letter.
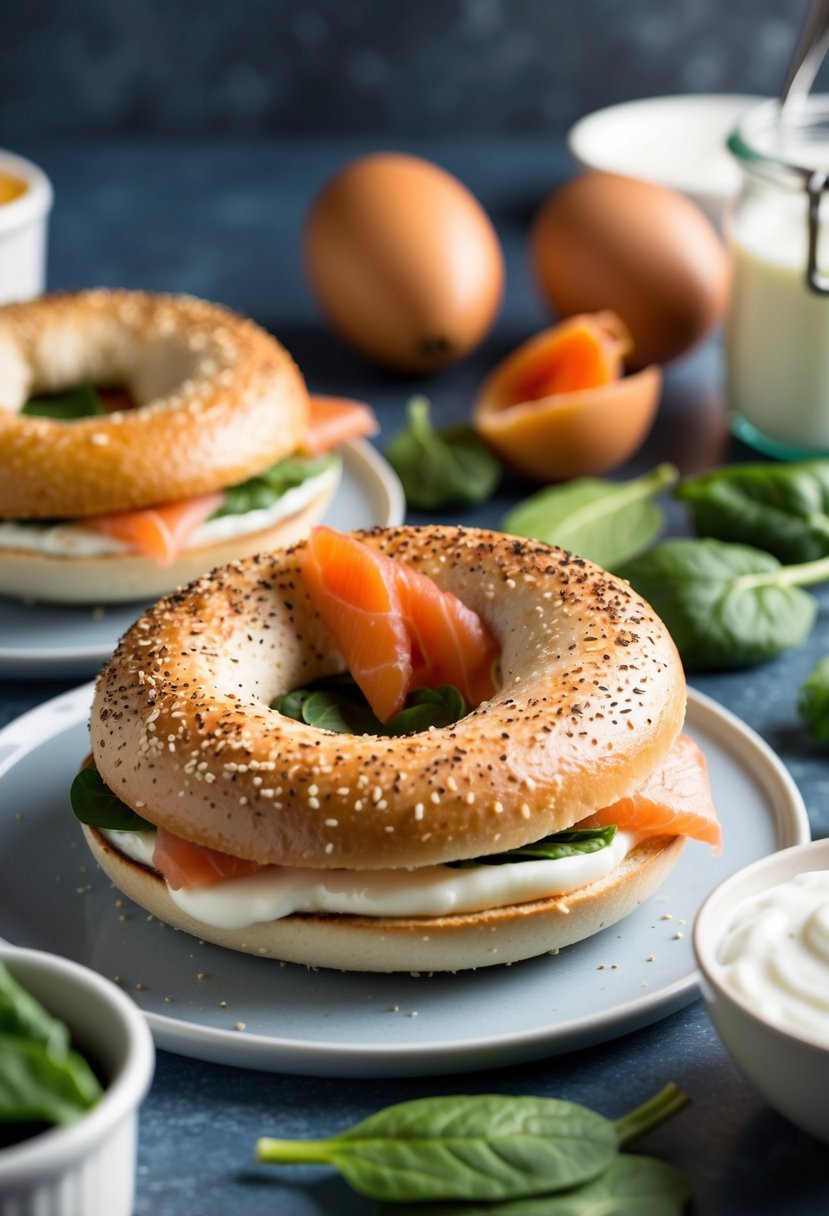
x: 414, y: 67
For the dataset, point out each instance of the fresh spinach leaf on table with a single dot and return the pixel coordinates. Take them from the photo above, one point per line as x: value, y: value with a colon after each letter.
x: 605, y: 521
x: 726, y: 605
x: 485, y: 1147
x: 451, y: 467
x: 813, y: 701
x: 782, y: 508
x: 630, y: 1186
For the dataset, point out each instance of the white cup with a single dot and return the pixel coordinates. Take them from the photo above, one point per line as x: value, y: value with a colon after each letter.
x: 86, y: 1168
x: 23, y: 225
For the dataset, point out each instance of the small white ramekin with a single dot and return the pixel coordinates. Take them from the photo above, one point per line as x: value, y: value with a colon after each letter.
x: 787, y: 1069
x: 86, y: 1168
x: 23, y: 227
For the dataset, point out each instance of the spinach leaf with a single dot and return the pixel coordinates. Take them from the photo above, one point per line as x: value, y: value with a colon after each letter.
x: 452, y: 467
x: 81, y: 402
x: 24, y: 1017
x: 481, y: 1147
x: 783, y: 509
x: 630, y: 1186
x: 337, y: 704
x: 726, y: 606
x: 427, y: 707
x: 36, y: 1085
x: 813, y: 701
x: 94, y: 803
x: 41, y: 1078
x: 604, y: 521
x: 575, y: 842
x: 262, y: 491
x: 336, y: 711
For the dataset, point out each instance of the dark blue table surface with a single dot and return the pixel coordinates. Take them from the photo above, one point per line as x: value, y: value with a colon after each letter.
x: 222, y: 220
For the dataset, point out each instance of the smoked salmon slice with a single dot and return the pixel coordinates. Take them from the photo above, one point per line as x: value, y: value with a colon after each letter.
x: 674, y: 801
x: 160, y: 532
x: 335, y: 420
x: 395, y: 628
x: 360, y: 604
x: 450, y: 643
x: 184, y: 864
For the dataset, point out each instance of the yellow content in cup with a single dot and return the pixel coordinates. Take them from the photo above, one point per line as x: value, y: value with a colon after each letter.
x: 10, y: 188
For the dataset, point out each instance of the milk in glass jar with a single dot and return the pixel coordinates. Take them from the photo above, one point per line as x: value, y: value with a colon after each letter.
x: 777, y: 334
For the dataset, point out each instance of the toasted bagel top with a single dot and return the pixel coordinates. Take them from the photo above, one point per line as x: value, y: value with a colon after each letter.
x: 217, y: 400
x: 592, y: 697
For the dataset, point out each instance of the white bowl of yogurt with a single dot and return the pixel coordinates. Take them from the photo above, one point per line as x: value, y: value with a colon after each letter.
x: 677, y: 141
x: 761, y: 941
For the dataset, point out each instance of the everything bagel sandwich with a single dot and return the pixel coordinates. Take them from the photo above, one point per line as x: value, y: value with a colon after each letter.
x: 146, y: 438
x: 408, y: 749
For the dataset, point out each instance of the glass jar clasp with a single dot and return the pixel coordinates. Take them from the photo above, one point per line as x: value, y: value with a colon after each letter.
x: 815, y: 186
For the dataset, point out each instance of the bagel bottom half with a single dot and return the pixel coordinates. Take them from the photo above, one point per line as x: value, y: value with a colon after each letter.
x: 26, y: 574
x: 415, y: 944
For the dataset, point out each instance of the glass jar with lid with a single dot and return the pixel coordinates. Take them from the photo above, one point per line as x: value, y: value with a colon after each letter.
x: 777, y: 335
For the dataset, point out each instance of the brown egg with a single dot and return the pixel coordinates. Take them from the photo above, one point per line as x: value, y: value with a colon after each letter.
x: 403, y: 261
x: 646, y: 252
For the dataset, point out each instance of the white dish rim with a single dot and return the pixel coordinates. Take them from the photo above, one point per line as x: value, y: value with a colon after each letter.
x: 329, y: 1058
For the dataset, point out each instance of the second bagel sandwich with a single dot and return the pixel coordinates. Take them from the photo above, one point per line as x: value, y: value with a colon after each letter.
x: 145, y: 439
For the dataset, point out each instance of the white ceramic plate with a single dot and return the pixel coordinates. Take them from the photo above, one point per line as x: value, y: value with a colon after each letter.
x: 291, y: 1019
x: 43, y: 641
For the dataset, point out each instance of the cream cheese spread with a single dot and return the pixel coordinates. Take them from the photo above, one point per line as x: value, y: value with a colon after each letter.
x: 775, y: 954
x: 74, y: 540
x: 439, y: 890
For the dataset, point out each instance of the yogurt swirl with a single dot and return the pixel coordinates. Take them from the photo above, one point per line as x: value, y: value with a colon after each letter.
x: 775, y: 954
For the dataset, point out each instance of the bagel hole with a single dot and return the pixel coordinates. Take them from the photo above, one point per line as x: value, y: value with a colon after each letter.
x: 79, y: 401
